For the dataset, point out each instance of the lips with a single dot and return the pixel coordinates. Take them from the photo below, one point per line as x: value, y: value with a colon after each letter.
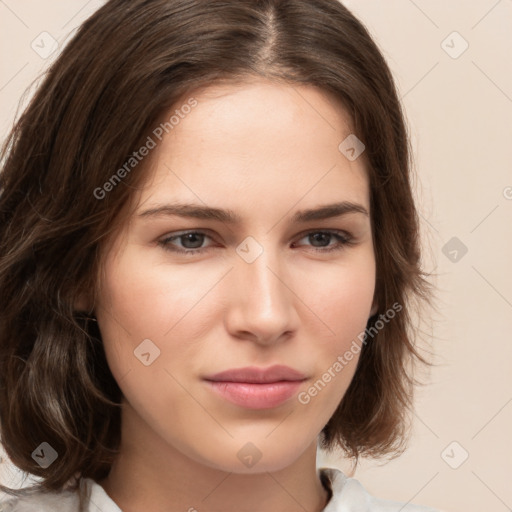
x: 255, y: 375
x: 255, y: 388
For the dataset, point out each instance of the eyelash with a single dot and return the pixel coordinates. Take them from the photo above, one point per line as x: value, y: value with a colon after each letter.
x: 344, y: 239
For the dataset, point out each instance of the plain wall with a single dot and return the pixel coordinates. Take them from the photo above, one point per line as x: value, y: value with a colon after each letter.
x: 459, y: 109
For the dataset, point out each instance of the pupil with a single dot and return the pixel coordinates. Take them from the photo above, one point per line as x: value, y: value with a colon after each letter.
x: 189, y: 237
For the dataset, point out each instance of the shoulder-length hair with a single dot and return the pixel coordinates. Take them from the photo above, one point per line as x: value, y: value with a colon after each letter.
x: 128, y: 65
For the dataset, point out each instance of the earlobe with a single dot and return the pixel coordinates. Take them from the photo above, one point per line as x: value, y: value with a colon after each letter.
x: 375, y: 308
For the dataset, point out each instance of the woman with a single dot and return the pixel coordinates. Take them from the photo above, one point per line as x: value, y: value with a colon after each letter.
x: 209, y: 252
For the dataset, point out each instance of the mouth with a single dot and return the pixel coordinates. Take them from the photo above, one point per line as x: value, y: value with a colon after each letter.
x: 255, y: 388
x: 256, y: 396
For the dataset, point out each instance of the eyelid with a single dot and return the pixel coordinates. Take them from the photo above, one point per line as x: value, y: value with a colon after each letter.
x: 341, y: 232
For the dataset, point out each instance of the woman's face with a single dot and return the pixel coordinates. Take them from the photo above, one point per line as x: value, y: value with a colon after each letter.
x: 264, y: 281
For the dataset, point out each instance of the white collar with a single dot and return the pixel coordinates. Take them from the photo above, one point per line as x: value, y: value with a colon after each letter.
x: 347, y: 495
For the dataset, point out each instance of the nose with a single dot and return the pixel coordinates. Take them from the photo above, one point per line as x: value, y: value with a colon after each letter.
x: 262, y: 305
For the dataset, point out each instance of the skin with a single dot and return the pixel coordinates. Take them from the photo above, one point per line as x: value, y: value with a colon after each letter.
x: 264, y: 150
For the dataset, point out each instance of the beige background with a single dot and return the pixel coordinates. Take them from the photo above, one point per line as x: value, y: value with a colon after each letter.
x: 459, y: 109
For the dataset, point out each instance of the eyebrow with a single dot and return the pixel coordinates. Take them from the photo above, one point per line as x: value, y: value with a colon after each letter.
x: 198, y: 211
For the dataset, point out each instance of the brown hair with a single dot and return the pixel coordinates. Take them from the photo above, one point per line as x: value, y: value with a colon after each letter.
x: 128, y: 64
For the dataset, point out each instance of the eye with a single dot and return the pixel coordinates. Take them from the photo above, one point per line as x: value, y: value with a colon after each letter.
x: 321, y: 240
x: 191, y: 240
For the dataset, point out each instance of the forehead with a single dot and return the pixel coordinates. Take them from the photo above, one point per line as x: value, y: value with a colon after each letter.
x: 260, y: 140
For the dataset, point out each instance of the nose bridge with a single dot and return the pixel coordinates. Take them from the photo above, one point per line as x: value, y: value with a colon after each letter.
x: 262, y: 297
x: 259, y: 267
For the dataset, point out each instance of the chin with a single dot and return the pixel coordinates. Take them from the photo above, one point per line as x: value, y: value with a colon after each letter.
x: 246, y: 457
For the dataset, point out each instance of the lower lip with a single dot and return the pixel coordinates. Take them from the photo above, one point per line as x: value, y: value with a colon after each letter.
x: 256, y: 396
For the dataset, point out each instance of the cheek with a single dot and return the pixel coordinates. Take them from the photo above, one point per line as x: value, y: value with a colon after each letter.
x: 341, y: 297
x: 341, y: 300
x: 149, y: 299
x: 150, y: 302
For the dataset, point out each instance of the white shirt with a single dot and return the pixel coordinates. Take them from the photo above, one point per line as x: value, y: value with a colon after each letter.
x: 348, y: 495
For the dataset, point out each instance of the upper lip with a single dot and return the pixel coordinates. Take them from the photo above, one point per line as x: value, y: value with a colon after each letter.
x: 252, y: 374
